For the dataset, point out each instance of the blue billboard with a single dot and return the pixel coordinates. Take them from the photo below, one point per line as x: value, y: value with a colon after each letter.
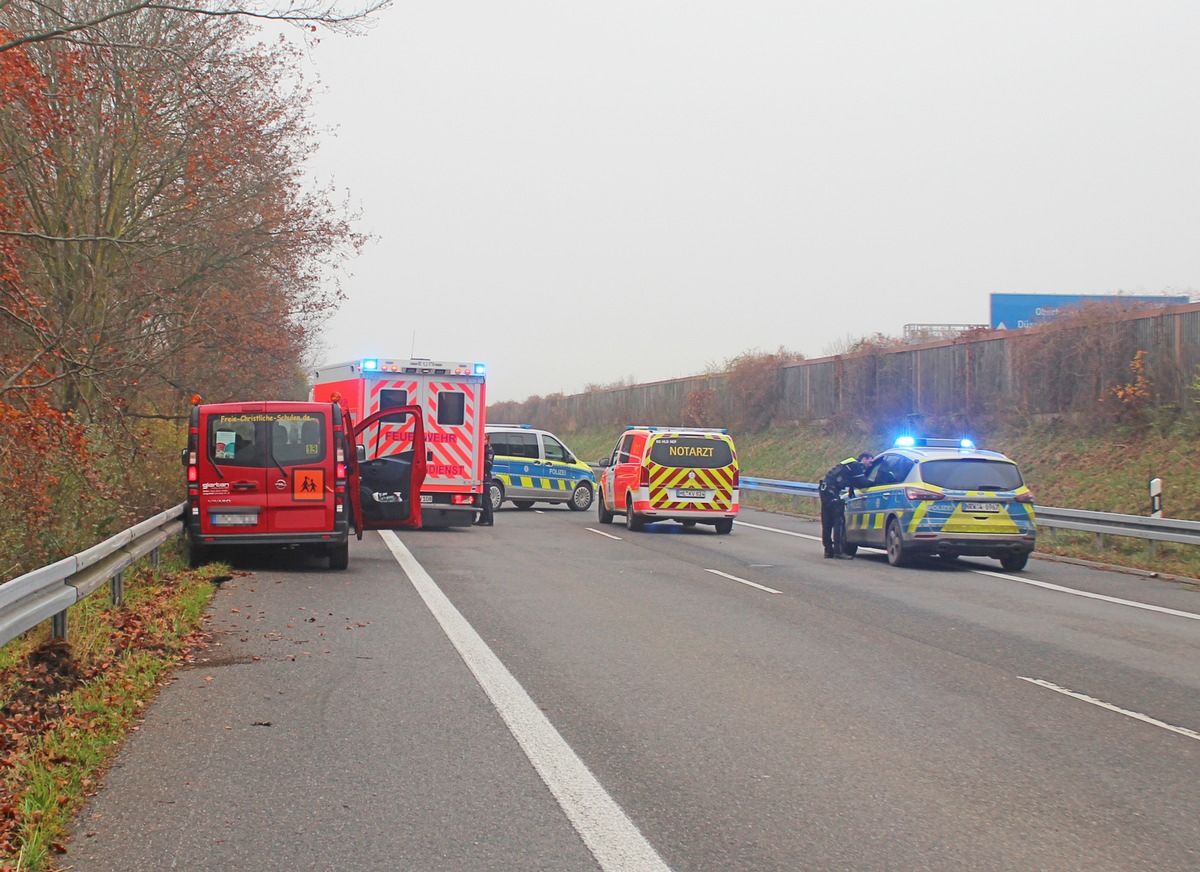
x: 1014, y: 311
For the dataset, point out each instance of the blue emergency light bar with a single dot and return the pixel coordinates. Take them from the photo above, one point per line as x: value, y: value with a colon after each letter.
x: 930, y: 442
x: 370, y: 364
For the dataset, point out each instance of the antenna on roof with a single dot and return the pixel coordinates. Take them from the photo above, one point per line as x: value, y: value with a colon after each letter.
x: 413, y: 351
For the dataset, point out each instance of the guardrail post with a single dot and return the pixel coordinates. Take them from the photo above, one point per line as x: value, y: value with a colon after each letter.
x: 118, y: 588
x: 154, y: 558
x: 1155, y: 505
x: 58, y: 625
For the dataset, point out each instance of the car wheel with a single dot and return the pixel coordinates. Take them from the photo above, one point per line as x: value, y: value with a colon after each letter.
x: 602, y: 512
x: 633, y: 521
x: 523, y: 504
x: 197, y: 555
x: 1014, y: 562
x: 724, y: 526
x: 895, y: 544
x: 339, y: 556
x: 581, y: 498
x: 849, y: 550
x: 496, y: 494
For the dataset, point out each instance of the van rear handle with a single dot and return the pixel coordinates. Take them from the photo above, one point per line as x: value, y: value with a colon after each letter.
x: 244, y: 485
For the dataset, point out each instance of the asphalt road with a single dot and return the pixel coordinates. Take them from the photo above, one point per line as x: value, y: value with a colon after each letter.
x: 554, y: 694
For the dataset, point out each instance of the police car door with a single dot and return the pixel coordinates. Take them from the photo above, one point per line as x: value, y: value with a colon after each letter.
x: 554, y: 464
x: 525, y: 469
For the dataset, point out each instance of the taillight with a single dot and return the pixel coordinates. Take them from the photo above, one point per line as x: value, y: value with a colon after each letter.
x: 340, y: 471
x: 193, y: 475
x: 919, y: 494
x: 1026, y: 497
x: 463, y: 499
x: 644, y: 481
x: 737, y: 479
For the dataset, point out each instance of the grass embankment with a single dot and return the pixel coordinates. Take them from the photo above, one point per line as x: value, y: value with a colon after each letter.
x: 1102, y: 472
x: 67, y: 705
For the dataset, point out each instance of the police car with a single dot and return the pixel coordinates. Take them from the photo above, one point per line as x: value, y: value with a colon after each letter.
x: 534, y: 466
x: 944, y: 497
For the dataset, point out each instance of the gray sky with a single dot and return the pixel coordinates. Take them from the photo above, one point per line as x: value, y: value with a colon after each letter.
x: 578, y: 193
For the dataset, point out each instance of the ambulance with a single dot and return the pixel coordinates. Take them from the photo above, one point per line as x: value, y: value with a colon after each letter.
x: 451, y: 398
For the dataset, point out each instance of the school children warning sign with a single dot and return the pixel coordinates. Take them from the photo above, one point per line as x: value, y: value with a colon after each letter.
x: 308, y: 485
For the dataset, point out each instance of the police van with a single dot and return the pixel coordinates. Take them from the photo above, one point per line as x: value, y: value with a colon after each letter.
x: 535, y: 466
x: 684, y: 474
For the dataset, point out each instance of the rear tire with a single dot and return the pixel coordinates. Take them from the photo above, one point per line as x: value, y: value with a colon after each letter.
x: 602, y: 512
x: 339, y: 556
x: 197, y: 555
x: 895, y: 544
x: 523, y: 504
x: 724, y: 526
x: 581, y: 498
x: 1014, y: 562
x: 633, y: 521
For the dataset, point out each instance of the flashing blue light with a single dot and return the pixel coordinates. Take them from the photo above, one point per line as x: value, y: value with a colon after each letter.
x: 905, y: 442
x: 966, y: 443
x: 370, y: 364
x: 480, y: 369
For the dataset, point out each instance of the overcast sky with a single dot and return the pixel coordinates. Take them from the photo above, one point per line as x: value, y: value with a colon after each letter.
x: 579, y: 193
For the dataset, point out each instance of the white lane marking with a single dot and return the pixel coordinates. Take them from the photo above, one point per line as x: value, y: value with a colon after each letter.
x: 1099, y: 596
x: 1044, y: 584
x: 609, y: 834
x: 777, y: 530
x: 742, y: 580
x: 1183, y: 731
x: 602, y: 533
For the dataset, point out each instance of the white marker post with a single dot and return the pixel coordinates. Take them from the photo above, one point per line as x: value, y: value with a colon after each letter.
x: 1155, y: 505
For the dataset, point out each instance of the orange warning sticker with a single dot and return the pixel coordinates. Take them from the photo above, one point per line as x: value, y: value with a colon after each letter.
x: 308, y: 485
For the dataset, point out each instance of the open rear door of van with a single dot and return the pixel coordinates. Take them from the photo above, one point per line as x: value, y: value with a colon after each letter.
x: 387, y: 491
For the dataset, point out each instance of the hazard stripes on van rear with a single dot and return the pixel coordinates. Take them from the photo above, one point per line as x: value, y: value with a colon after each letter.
x: 674, y: 488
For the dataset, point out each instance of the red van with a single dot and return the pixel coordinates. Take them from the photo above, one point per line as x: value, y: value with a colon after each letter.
x: 270, y: 473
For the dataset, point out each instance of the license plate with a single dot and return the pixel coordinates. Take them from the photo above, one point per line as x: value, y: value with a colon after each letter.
x: 234, y: 520
x: 981, y: 507
x: 426, y: 498
x: 687, y: 494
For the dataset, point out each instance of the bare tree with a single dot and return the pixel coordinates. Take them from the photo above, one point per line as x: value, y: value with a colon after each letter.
x: 65, y: 19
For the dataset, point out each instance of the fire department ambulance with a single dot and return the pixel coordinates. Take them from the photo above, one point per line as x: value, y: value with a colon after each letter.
x: 451, y: 398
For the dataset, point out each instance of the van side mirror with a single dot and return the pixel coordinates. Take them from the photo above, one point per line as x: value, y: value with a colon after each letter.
x: 183, y: 457
x: 604, y: 461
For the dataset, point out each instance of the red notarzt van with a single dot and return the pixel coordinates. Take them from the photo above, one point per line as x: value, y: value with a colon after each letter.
x: 270, y: 473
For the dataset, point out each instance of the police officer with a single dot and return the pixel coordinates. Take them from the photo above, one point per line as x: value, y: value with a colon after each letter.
x: 485, y: 512
x: 851, y: 473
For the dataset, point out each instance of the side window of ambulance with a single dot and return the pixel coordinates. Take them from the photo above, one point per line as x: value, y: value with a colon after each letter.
x: 622, y: 453
x: 554, y: 449
x: 452, y: 407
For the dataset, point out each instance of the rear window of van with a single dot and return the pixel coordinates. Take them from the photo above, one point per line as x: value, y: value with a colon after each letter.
x: 692, y: 452
x: 258, y: 439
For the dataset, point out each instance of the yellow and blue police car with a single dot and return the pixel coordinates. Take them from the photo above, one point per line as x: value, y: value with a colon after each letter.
x: 944, y: 497
x: 535, y: 466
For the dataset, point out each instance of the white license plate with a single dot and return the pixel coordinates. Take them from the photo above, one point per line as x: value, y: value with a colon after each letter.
x: 981, y: 507
x: 687, y: 494
x: 234, y: 520
x: 426, y: 498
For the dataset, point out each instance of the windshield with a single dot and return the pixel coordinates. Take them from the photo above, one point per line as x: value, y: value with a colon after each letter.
x: 971, y: 474
x: 692, y: 452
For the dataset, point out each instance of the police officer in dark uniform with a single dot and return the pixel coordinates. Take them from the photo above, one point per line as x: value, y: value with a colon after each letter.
x: 851, y: 473
x: 485, y: 512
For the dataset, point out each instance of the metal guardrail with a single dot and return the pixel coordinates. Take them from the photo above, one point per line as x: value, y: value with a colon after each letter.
x: 1100, y: 523
x: 48, y: 592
